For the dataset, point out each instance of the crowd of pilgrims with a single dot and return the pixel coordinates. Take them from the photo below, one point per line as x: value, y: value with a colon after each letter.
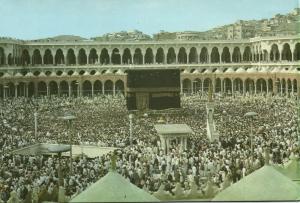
x: 104, y: 121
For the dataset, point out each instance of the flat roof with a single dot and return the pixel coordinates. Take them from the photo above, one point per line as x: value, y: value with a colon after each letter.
x: 173, y: 129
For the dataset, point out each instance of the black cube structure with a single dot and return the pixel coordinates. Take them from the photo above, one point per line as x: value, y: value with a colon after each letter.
x: 155, y: 89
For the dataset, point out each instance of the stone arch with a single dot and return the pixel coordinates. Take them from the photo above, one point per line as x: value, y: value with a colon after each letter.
x: 297, y: 52
x: 247, y: 56
x: 227, y: 85
x: 264, y: 55
x: 261, y: 85
x: 53, y: 88
x: 236, y: 55
x: 71, y: 58
x: 64, y: 88
x: 48, y: 58
x: 9, y: 89
x: 182, y: 56
x: 10, y: 60
x: 126, y: 58
x: 104, y: 57
x: 108, y: 87
x: 97, y: 87
x: 286, y: 53
x: 149, y: 56
x: 36, y: 58
x: 193, y: 55
x: 206, y: 83
x: 270, y: 85
x: 41, y: 88
x: 74, y: 88
x: 249, y: 85
x: 30, y: 87
x: 225, y: 55
x: 25, y: 58
x: 87, y: 88
x: 138, y: 56
x: 283, y: 86
x: 204, y: 55
x: 274, y: 53
x: 160, y: 56
x: 1, y: 91
x: 59, y: 57
x: 186, y: 86
x: 289, y: 86
x: 171, y: 56
x: 2, y: 56
x: 93, y: 56
x: 120, y: 87
x: 197, y: 85
x: 82, y: 58
x: 21, y: 89
x: 115, y: 56
x: 215, y: 56
x: 217, y: 85
x: 295, y: 86
x: 238, y: 85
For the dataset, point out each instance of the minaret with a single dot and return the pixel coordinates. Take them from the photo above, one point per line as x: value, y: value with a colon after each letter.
x: 212, y: 134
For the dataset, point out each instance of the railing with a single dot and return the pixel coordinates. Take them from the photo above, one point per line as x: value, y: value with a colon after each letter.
x: 137, y: 66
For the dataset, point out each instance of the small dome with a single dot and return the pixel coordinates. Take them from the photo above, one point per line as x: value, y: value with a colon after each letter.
x: 240, y: 70
x: 53, y: 74
x: 208, y: 71
x: 186, y: 71
x: 196, y: 71
x: 97, y: 73
x: 7, y: 75
x: 29, y: 74
x: 108, y: 71
x: 18, y: 74
x: 64, y: 74
x: 264, y: 70
x: 42, y: 74
x: 251, y: 70
x: 75, y: 73
x: 120, y: 72
x: 218, y: 71
x: 229, y: 70
x: 275, y: 70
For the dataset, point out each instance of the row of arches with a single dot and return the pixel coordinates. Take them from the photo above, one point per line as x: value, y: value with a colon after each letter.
x: 61, y: 88
x: 231, y: 86
x: 150, y: 56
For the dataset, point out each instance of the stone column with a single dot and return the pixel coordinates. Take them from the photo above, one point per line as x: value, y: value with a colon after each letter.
x: 202, y: 87
x: 181, y: 87
x: 103, y: 90
x: 232, y: 87
x: 58, y: 89
x: 26, y: 89
x: 70, y: 89
x: 92, y: 89
x: 255, y: 87
x: 192, y: 86
x: 222, y: 81
x: 48, y: 91
x: 16, y: 89
x: 35, y: 89
x: 286, y: 88
x: 244, y: 87
x: 267, y: 84
x: 114, y: 88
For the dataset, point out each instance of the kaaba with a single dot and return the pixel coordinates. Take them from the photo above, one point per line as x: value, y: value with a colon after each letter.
x: 155, y: 89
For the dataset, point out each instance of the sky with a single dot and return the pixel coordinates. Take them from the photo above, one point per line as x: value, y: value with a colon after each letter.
x: 35, y: 19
